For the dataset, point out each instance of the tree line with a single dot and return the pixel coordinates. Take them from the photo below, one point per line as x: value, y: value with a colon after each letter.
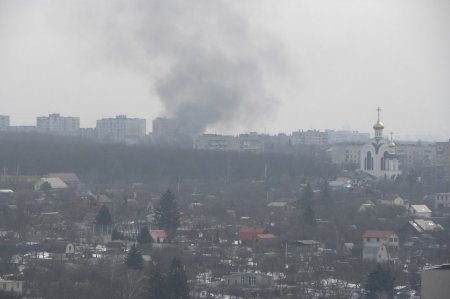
x: 22, y: 153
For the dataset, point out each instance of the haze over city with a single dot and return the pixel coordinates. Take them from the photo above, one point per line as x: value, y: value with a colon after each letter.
x: 232, y: 67
x: 223, y: 149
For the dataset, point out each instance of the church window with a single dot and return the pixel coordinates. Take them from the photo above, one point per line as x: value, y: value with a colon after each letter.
x: 369, y: 161
x: 384, y: 159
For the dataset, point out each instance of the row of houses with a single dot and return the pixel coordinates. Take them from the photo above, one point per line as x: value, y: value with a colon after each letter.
x: 383, y: 245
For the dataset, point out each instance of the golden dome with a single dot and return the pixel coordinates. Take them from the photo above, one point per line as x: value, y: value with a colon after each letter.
x: 391, y: 142
x: 378, y: 125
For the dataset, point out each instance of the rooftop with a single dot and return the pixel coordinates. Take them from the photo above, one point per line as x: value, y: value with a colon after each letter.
x: 378, y: 233
x: 421, y: 208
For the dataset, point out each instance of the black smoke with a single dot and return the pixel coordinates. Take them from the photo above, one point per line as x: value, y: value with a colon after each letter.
x: 205, y: 62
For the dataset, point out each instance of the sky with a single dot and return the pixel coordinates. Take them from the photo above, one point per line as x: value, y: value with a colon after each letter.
x: 226, y: 66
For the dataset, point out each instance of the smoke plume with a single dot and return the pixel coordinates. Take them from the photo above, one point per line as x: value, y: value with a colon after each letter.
x: 205, y: 64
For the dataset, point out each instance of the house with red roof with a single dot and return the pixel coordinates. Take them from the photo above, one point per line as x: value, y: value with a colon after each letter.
x: 386, y: 237
x: 267, y: 241
x: 248, y: 235
x: 158, y: 235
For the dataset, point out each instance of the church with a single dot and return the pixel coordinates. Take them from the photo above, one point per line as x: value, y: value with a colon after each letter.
x: 378, y: 156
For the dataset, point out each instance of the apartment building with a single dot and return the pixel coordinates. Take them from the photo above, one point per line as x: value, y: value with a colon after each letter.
x: 121, y: 129
x: 309, y: 137
x: 412, y: 155
x: 337, y: 137
x: 345, y: 154
x: 252, y: 142
x: 443, y: 158
x: 58, y: 125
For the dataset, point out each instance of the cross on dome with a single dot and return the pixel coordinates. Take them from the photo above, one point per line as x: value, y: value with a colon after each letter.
x: 379, y: 124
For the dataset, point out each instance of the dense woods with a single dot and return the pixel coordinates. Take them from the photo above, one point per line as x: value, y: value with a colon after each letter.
x: 40, y: 154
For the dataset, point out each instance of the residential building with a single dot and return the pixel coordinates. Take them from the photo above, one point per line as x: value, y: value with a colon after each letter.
x: 392, y: 200
x: 307, y: 246
x: 55, y: 183
x: 266, y: 241
x: 248, y: 280
x: 378, y: 156
x: 336, y: 137
x: 22, y: 129
x: 366, y: 206
x: 419, y: 226
x: 69, y: 178
x: 158, y: 235
x: 376, y: 252
x: 340, y: 184
x: 252, y: 142
x: 435, y: 282
x: 58, y: 125
x: 309, y: 137
x: 248, y: 235
x: 276, y: 143
x: 88, y: 133
x: 420, y: 211
x: 121, y: 129
x: 14, y: 286
x: 165, y: 130
x: 385, y: 237
x: 443, y: 158
x: 416, y: 155
x: 59, y: 250
x: 442, y: 200
x: 345, y: 154
x: 214, y: 142
x: 4, y: 122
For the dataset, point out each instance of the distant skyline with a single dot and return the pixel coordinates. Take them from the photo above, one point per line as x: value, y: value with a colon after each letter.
x: 231, y: 67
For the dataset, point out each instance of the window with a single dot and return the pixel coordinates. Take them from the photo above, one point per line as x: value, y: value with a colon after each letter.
x: 378, y: 239
x: 242, y: 280
x: 383, y: 160
x: 252, y: 280
x: 368, y: 161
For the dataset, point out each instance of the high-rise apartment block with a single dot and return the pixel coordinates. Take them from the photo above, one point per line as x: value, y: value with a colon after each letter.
x: 416, y: 155
x: 252, y: 142
x: 121, y: 129
x: 346, y: 154
x: 58, y: 125
x: 443, y: 157
x: 335, y: 137
x: 165, y: 130
x: 309, y: 137
x: 4, y: 122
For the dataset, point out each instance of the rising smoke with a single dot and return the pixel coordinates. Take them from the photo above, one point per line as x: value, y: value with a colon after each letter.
x: 206, y: 63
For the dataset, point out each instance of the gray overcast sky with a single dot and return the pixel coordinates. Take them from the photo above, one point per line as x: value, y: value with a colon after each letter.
x: 231, y: 66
